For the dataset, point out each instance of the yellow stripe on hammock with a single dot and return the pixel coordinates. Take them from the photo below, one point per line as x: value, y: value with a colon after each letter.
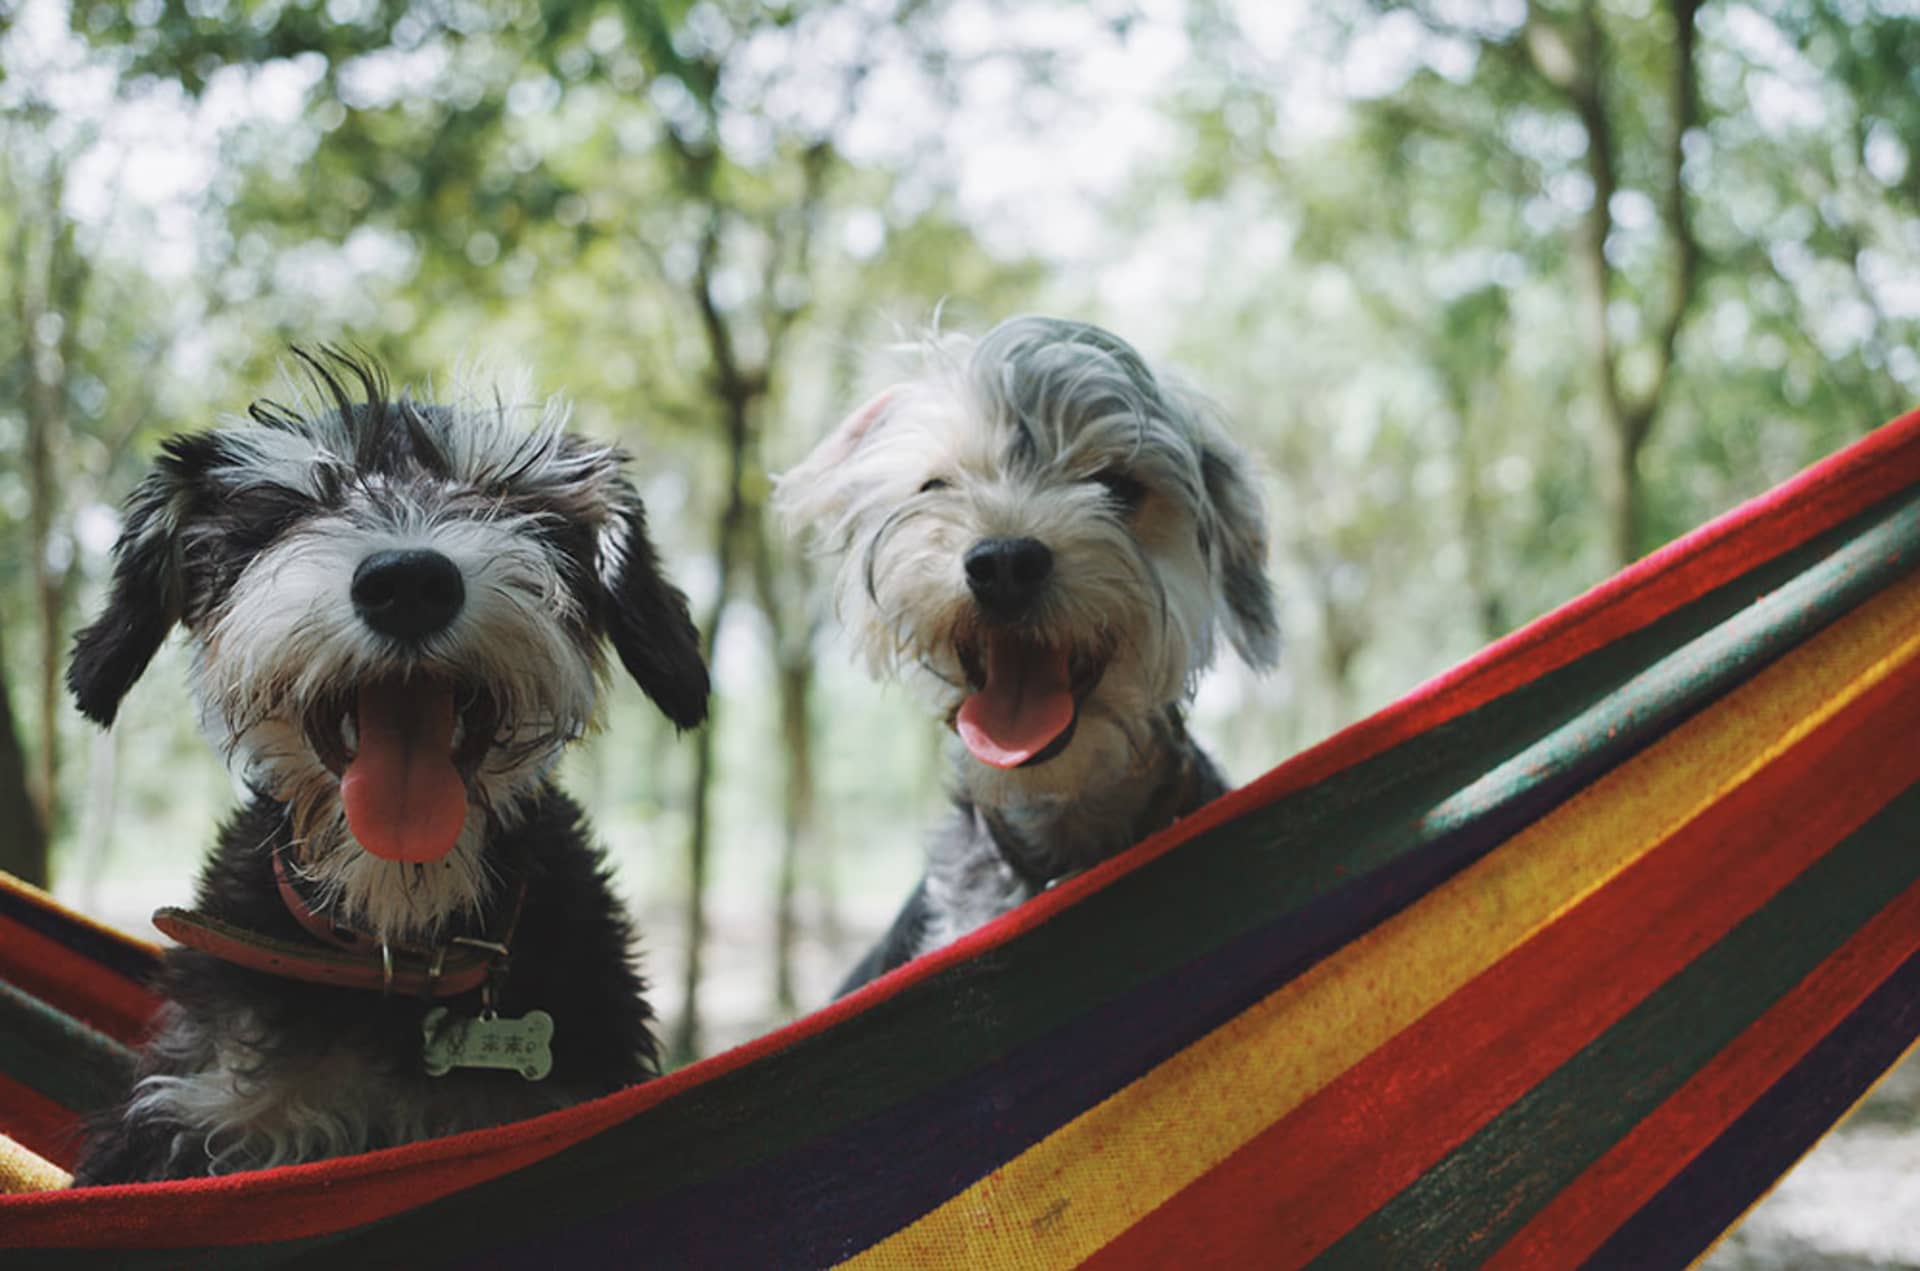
x: 25, y: 1171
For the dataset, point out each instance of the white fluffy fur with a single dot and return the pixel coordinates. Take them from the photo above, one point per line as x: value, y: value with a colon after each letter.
x: 254, y: 1123
x: 256, y: 1110
x: 1149, y: 592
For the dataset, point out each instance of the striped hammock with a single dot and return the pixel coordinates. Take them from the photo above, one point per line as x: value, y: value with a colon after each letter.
x: 1567, y: 955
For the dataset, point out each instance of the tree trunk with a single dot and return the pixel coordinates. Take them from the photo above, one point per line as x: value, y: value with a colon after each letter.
x: 97, y: 817
x: 1489, y: 607
x: 40, y: 403
x: 50, y: 282
x: 737, y: 396
x: 738, y: 387
x: 685, y: 1044
x: 1620, y: 487
x: 1580, y: 71
x: 783, y: 596
x: 23, y: 841
x: 796, y: 698
x: 1620, y: 449
x: 50, y: 593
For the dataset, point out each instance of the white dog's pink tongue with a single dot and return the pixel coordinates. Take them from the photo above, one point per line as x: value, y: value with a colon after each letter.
x: 1027, y: 703
x: 403, y: 796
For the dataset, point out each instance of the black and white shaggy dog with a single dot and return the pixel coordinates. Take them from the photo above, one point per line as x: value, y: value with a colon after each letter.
x: 397, y: 614
x: 1048, y: 537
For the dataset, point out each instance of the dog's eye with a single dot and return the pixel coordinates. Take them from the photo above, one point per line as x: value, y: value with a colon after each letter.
x: 934, y: 483
x: 1121, y: 488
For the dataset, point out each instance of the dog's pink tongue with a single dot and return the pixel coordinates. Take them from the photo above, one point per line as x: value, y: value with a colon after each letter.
x: 1026, y: 704
x: 404, y: 798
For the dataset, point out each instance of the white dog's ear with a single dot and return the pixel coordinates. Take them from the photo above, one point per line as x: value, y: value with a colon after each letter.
x: 1239, y: 553
x: 814, y: 495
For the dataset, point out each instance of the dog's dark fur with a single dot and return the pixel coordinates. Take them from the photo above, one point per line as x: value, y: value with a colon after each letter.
x: 246, y: 1069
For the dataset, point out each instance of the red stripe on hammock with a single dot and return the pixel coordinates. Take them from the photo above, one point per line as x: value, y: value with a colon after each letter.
x: 1305, y: 1181
x: 280, y: 1204
x: 1579, y: 1220
x: 74, y: 983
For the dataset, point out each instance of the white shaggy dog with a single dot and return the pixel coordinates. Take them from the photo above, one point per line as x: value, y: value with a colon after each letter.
x: 1049, y: 539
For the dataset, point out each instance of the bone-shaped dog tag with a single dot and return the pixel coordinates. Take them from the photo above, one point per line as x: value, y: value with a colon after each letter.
x: 487, y: 1041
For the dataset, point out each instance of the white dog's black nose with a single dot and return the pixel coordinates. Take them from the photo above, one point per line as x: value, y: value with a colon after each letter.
x: 1007, y: 575
x: 408, y: 594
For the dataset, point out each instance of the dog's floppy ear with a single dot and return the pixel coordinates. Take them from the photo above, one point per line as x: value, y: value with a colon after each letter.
x: 147, y: 594
x: 813, y: 496
x: 1240, y: 553
x: 648, y: 622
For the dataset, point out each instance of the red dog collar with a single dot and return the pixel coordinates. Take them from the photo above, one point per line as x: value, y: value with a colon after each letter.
x: 354, y: 959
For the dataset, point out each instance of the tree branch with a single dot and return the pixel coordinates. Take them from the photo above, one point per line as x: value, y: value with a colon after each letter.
x: 1683, y: 114
x: 1580, y: 75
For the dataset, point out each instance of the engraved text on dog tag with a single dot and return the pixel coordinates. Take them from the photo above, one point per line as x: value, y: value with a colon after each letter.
x: 487, y: 1041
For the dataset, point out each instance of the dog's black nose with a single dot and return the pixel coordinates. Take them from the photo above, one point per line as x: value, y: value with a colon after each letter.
x: 1007, y: 575
x: 408, y: 594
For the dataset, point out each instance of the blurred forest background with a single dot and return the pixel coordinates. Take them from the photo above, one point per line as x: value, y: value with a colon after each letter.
x: 1503, y: 292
